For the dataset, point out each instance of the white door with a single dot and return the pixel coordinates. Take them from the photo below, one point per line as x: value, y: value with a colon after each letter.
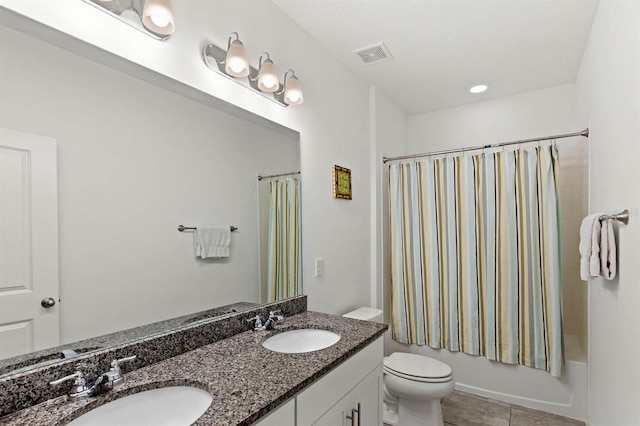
x: 28, y: 243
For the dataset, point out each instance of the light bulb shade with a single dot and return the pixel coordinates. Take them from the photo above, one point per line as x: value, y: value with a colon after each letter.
x: 157, y: 16
x: 268, y: 77
x: 237, y: 62
x: 293, y: 91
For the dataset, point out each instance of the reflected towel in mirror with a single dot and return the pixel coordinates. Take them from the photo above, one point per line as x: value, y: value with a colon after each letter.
x: 212, y: 241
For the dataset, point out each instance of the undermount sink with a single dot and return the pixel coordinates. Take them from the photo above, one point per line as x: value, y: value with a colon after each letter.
x: 175, y: 405
x: 302, y: 340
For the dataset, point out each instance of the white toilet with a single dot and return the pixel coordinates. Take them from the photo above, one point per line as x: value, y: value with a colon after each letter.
x: 414, y: 384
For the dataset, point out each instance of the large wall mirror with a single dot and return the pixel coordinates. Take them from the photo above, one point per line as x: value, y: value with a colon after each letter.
x: 133, y: 162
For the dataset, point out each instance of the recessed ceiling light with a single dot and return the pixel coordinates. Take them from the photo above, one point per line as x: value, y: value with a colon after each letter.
x: 479, y: 88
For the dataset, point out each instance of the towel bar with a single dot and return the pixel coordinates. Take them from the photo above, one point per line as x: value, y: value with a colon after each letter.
x: 623, y: 216
x: 182, y: 228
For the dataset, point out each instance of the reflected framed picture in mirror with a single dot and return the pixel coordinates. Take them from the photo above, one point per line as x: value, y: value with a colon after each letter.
x: 341, y: 182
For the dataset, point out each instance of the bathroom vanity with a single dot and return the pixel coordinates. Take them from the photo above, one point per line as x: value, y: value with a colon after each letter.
x: 353, y: 390
x: 249, y: 383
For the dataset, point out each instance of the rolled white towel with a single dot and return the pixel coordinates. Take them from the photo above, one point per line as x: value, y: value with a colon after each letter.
x: 594, y: 260
x: 587, y: 243
x: 608, y: 250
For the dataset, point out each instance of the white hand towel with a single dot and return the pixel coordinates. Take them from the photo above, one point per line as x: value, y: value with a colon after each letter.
x: 608, y: 250
x: 212, y: 241
x: 594, y: 260
x: 586, y: 245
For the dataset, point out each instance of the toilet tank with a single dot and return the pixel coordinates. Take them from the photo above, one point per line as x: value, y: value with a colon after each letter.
x: 366, y: 314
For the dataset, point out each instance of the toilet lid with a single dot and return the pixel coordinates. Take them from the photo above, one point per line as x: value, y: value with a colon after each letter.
x: 416, y: 366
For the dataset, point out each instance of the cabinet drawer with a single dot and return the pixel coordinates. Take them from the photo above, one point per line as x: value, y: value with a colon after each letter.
x: 313, y: 402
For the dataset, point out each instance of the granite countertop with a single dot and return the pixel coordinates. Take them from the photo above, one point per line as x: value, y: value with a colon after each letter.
x: 52, y: 355
x: 246, y: 380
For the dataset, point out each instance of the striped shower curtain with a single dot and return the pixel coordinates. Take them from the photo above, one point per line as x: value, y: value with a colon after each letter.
x: 284, y: 239
x: 475, y: 246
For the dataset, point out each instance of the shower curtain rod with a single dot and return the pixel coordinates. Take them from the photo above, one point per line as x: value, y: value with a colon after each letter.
x: 584, y: 133
x: 278, y: 175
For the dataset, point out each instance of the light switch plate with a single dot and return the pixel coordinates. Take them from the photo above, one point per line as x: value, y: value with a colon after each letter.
x: 319, y: 267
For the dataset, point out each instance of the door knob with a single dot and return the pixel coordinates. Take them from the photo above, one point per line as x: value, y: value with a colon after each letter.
x: 48, y: 302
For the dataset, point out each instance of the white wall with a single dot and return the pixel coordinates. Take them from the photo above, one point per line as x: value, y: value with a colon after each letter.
x: 134, y: 161
x: 609, y: 99
x: 388, y: 136
x: 333, y: 122
x: 534, y: 114
x: 529, y: 115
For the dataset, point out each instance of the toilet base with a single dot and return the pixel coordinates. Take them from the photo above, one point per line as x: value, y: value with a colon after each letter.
x: 413, y: 413
x: 419, y: 413
x: 390, y: 418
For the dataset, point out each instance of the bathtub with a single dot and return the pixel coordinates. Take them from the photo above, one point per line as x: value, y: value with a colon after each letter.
x: 516, y: 384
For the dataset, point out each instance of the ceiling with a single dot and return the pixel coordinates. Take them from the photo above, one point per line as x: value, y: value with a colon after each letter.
x: 441, y: 48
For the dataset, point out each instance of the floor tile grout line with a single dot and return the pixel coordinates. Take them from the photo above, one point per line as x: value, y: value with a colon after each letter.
x: 510, y: 413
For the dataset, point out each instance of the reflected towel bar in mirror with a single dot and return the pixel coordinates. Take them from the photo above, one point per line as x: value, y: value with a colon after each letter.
x: 182, y: 228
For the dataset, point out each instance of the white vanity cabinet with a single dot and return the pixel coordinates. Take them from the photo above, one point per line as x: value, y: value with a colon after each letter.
x: 331, y: 399
x: 350, y: 394
x: 361, y: 406
x: 283, y: 416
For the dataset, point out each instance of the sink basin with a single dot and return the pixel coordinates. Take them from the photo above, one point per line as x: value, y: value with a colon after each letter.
x: 175, y: 405
x: 299, y: 341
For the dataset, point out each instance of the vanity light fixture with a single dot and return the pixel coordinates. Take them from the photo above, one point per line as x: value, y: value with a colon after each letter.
x: 292, y: 89
x: 153, y: 17
x: 236, y: 61
x: 234, y: 64
x: 267, y: 75
x: 157, y: 16
x: 479, y: 88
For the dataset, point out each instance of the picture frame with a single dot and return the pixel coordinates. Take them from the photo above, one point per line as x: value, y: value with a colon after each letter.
x: 341, y: 183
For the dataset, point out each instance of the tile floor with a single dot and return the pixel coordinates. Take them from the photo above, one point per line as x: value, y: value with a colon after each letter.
x: 464, y: 409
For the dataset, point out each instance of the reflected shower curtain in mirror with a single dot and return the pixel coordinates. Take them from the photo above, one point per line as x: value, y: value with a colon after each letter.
x: 475, y: 248
x: 285, y: 240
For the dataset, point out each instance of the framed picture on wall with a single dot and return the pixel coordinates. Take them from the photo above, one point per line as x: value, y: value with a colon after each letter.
x: 341, y: 182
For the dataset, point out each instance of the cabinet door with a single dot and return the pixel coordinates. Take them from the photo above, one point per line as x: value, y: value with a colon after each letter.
x: 313, y: 402
x: 368, y: 394
x: 366, y: 398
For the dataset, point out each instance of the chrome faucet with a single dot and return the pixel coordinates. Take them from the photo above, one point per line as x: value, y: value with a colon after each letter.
x: 79, y: 390
x: 104, y: 383
x: 114, y: 375
x: 257, y: 326
x: 274, y: 317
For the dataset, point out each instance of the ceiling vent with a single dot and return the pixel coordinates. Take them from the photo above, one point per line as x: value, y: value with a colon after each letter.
x: 375, y: 53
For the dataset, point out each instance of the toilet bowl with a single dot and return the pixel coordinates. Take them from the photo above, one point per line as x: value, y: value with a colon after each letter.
x: 413, y: 387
